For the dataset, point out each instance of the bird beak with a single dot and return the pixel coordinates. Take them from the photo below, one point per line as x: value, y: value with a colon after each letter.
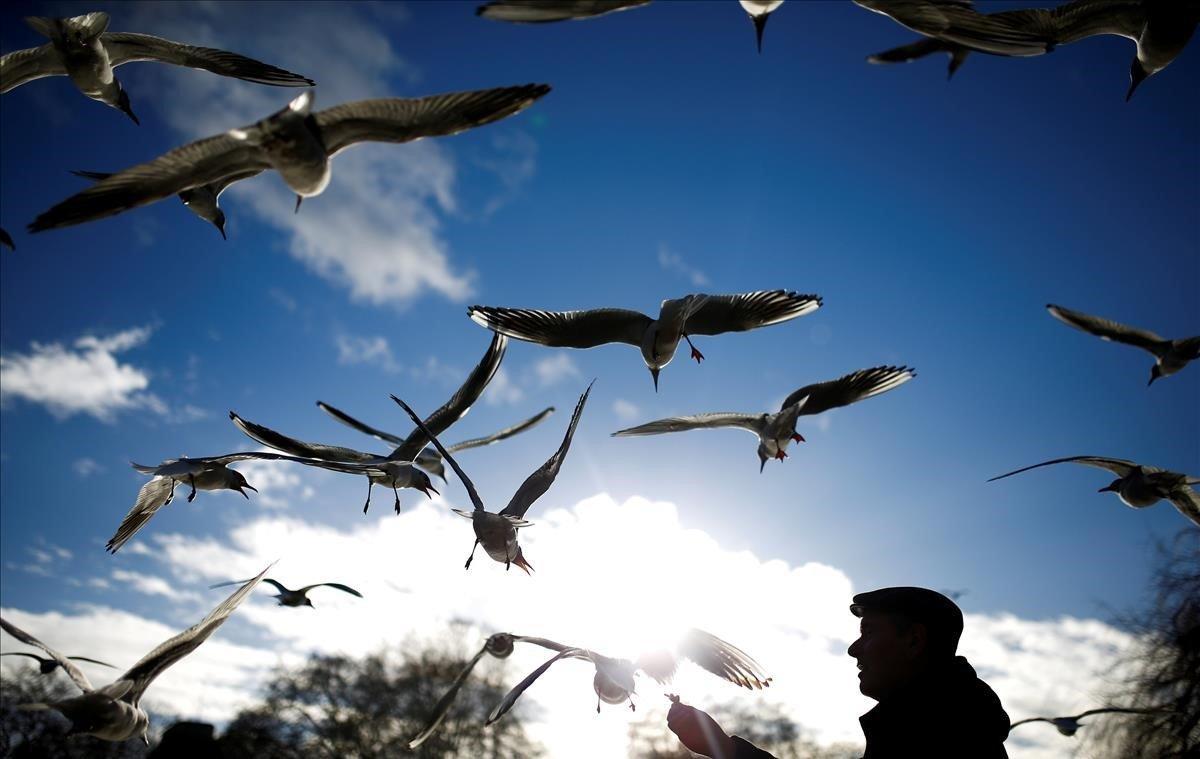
x: 1108, y: 489
x: 762, y: 464
x: 760, y: 23
x: 426, y: 490
x: 243, y: 492
x: 128, y: 111
x: 654, y: 374
x: 525, y: 565
x: 299, y: 200
x: 1137, y: 75
x: 221, y: 229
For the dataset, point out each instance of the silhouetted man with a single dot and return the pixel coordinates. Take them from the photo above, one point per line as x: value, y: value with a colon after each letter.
x: 931, y: 704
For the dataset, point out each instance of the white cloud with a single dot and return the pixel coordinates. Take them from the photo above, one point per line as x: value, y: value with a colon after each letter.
x: 794, y: 619
x: 151, y: 585
x: 373, y: 351
x: 278, y: 482
x: 673, y: 262
x: 555, y: 369
x: 86, y: 378
x: 502, y: 389
x: 625, y: 410
x: 509, y: 388
x: 514, y: 163
x: 86, y: 467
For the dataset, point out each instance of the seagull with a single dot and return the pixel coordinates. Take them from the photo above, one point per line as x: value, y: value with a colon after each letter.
x: 776, y: 430
x: 296, y: 142
x: 1137, y: 486
x: 920, y: 49
x: 396, y: 469
x: 297, y: 597
x: 544, y: 11
x: 957, y: 22
x: 211, y: 473
x: 113, y: 713
x: 501, y: 646
x: 80, y: 48
x: 656, y: 338
x: 49, y: 665
x: 201, y: 200
x: 6, y: 240
x: 498, y: 532
x: 429, y: 459
x: 1068, y: 726
x: 1170, y: 356
x: 614, y: 678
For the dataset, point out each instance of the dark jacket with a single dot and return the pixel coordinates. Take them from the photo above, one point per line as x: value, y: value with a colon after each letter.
x: 947, y: 712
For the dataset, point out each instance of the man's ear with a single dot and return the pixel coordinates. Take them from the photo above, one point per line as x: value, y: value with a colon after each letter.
x: 918, y: 640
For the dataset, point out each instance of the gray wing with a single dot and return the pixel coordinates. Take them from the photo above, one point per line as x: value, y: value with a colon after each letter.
x: 504, y: 434
x: 852, y: 388
x: 1187, y: 502
x: 6, y: 240
x: 277, y: 585
x: 908, y: 53
x: 95, y: 176
x: 404, y: 119
x: 153, y: 496
x: 960, y: 23
x: 142, y: 674
x: 281, y: 442
x: 459, y: 404
x: 542, y: 11
x: 1106, y: 329
x: 35, y: 657
x: 1028, y: 720
x: 565, y: 329
x: 536, y: 484
x: 722, y: 659
x: 511, y: 697
x: 21, y: 66
x: 221, y: 185
x: 68, y: 666
x: 198, y: 163
x: 93, y: 661
x: 125, y: 48
x: 442, y: 707
x: 1071, y: 22
x: 1119, y: 467
x: 466, y: 481
x: 1118, y: 710
x: 755, y: 423
x: 353, y: 423
x: 339, y: 586
x: 737, y: 313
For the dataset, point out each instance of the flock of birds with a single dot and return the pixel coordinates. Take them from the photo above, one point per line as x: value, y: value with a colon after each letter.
x: 299, y: 143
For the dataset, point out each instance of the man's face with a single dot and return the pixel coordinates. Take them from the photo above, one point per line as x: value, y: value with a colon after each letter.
x: 887, y: 657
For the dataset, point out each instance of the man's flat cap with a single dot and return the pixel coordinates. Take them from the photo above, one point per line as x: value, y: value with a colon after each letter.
x: 939, y: 614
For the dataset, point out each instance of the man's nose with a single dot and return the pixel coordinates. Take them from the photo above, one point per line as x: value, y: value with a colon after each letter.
x: 853, y: 649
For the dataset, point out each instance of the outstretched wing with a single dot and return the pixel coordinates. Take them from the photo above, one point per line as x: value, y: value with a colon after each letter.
x: 1119, y: 467
x: 21, y: 66
x: 338, y: 585
x: 68, y: 666
x: 536, y: 484
x: 281, y: 442
x: 466, y: 481
x: 405, y: 119
x: 1028, y: 720
x: 542, y: 11
x: 511, y: 697
x: 852, y: 388
x: 755, y: 423
x: 565, y: 329
x: 124, y: 47
x: 93, y: 661
x: 1187, y: 502
x: 957, y: 21
x: 722, y: 659
x: 442, y: 707
x: 459, y: 404
x: 1106, y: 329
x: 743, y: 311
x: 153, y: 496
x: 142, y: 674
x: 504, y: 434
x: 353, y: 423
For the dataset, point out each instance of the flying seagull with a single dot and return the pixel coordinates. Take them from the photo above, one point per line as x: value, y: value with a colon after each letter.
x: 6, y: 240
x: 80, y: 48
x: 298, y: 597
x: 113, y: 713
x: 920, y: 49
x: 210, y: 473
x: 201, y: 200
x: 296, y: 142
x: 1137, y: 486
x: 48, y: 665
x: 1068, y: 726
x: 777, y: 430
x: 396, y: 469
x: 429, y: 459
x: 957, y: 22
x: 614, y: 678
x: 500, y: 646
x: 498, y: 531
x: 656, y: 338
x: 1170, y: 356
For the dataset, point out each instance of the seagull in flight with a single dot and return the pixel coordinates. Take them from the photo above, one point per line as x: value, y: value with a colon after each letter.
x: 114, y: 712
x: 81, y: 48
x: 1068, y: 726
x: 958, y: 23
x: 920, y: 49
x: 298, y: 597
x: 6, y: 240
x: 296, y: 141
x: 429, y: 459
x: 395, y: 470
x: 1170, y: 356
x: 210, y: 473
x: 201, y: 200
x: 614, y: 678
x: 48, y: 665
x: 498, y: 531
x: 500, y: 646
x: 1136, y: 485
x: 777, y: 430
x: 658, y: 338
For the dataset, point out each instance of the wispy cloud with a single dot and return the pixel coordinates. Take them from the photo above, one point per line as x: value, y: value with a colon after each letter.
x: 673, y: 262
x: 151, y: 585
x: 509, y: 387
x: 625, y: 410
x: 86, y: 467
x: 371, y: 350
x: 555, y: 369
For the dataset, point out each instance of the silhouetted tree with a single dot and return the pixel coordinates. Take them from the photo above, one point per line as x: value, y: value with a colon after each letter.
x: 765, y: 725
x: 1164, y: 666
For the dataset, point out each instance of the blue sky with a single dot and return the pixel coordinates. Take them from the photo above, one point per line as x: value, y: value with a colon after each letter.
x: 936, y: 220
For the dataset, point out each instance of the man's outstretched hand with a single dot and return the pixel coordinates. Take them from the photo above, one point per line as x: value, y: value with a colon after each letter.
x: 698, y: 731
